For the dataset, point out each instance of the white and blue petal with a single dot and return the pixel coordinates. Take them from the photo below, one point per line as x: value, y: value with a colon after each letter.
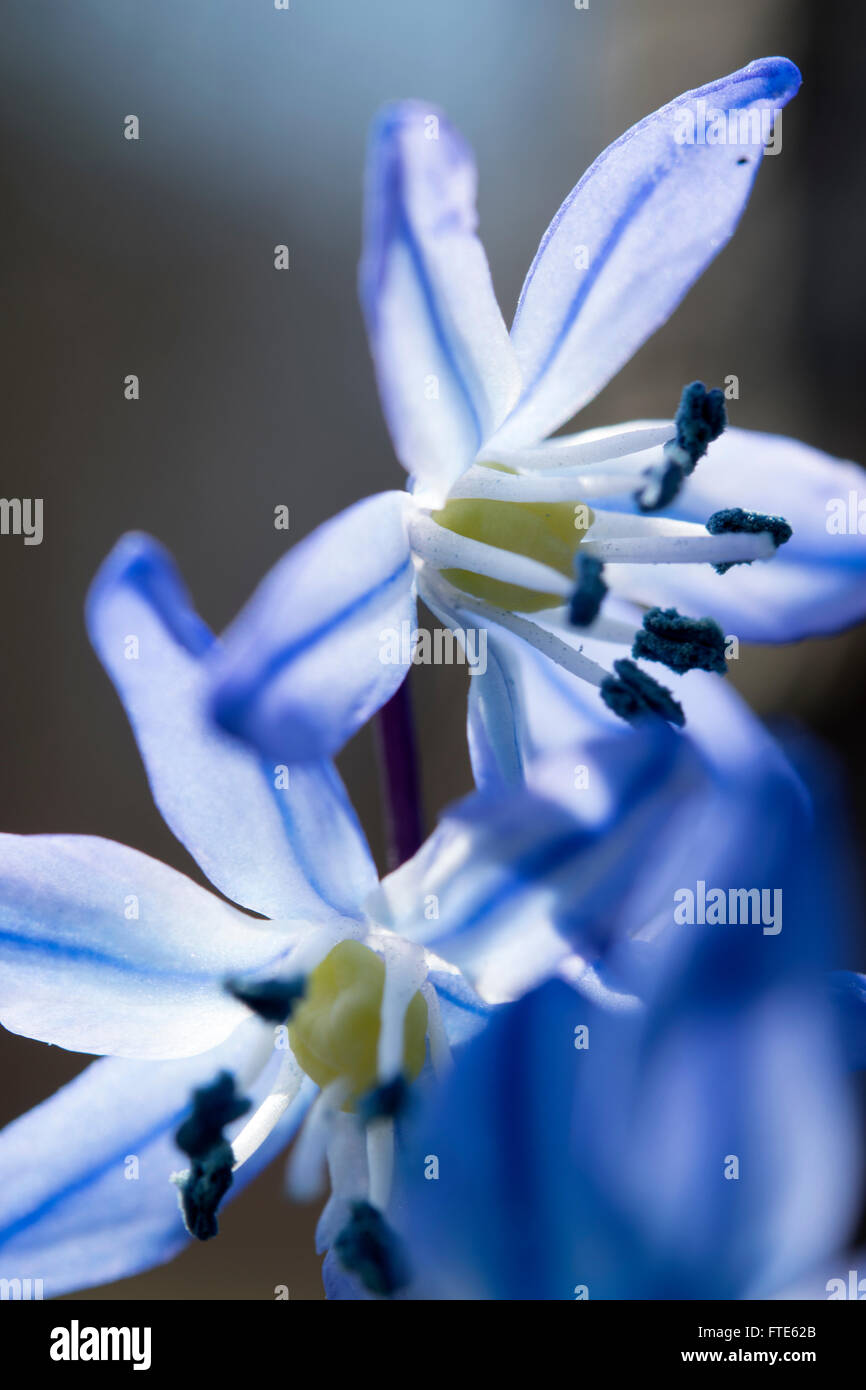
x: 85, y: 1190
x: 311, y: 657
x: 631, y: 238
x: 507, y: 887
x: 446, y: 370
x: 105, y: 950
x: 284, y: 844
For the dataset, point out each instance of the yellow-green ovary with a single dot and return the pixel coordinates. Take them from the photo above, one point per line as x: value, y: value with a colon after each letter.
x: 546, y: 531
x: 334, y: 1031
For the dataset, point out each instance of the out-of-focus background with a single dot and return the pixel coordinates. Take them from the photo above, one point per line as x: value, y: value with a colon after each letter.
x: 156, y: 257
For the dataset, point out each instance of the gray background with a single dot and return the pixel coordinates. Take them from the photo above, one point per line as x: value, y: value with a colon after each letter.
x: 156, y: 258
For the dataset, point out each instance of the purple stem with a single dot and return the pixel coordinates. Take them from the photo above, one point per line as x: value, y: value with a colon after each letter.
x: 398, y: 761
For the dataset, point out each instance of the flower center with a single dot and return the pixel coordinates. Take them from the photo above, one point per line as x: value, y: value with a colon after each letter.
x: 549, y: 532
x: 334, y: 1030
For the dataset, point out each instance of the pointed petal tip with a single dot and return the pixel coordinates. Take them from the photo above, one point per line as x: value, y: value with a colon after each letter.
x: 782, y: 77
x: 139, y: 561
x: 135, y: 548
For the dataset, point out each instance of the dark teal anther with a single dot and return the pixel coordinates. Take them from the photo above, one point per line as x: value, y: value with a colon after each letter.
x: 589, y: 592
x: 272, y: 1000
x: 683, y: 644
x: 384, y: 1102
x: 368, y: 1247
x: 633, y: 695
x: 201, y: 1138
x: 661, y: 483
x: 700, y: 418
x: 733, y: 520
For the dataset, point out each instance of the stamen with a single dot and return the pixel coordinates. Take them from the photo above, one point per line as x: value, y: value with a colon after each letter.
x: 688, y: 545
x: 582, y: 450
x: 270, y: 1112
x: 380, y: 1161
x: 733, y: 520
x: 484, y: 483
x: 369, y: 1248
x: 384, y: 1102
x: 202, y: 1187
x: 591, y: 589
x: 633, y: 695
x: 683, y: 644
x: 701, y: 417
x: 661, y: 484
x: 272, y: 1000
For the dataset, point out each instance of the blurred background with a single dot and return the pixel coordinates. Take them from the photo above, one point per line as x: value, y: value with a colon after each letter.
x: 155, y: 258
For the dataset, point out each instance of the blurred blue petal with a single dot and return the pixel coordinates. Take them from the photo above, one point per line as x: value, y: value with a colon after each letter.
x: 848, y: 996
x: 85, y: 1195
x: 304, y: 665
x: 605, y: 1166
x: 293, y: 852
x: 445, y: 366
x: 105, y: 950
x: 628, y: 242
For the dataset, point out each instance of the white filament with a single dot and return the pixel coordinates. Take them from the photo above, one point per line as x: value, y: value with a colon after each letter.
x: 443, y: 549
x: 306, y: 1168
x: 270, y: 1112
x: 728, y: 548
x: 581, y: 450
x: 544, y: 487
x: 380, y: 1161
x: 551, y: 646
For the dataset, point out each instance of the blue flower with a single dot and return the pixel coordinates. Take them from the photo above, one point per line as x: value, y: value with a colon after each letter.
x: 702, y: 1145
x: 505, y: 527
x: 216, y: 1026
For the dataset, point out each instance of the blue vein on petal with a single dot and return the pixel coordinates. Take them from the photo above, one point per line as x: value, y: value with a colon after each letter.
x: 466, y: 1006
x: 70, y: 951
x: 438, y: 326
x: 141, y: 1142
x: 611, y: 242
x: 587, y: 283
x: 92, y: 1175
x: 514, y: 741
x: 226, y: 706
x: 402, y: 230
x: 344, y: 906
